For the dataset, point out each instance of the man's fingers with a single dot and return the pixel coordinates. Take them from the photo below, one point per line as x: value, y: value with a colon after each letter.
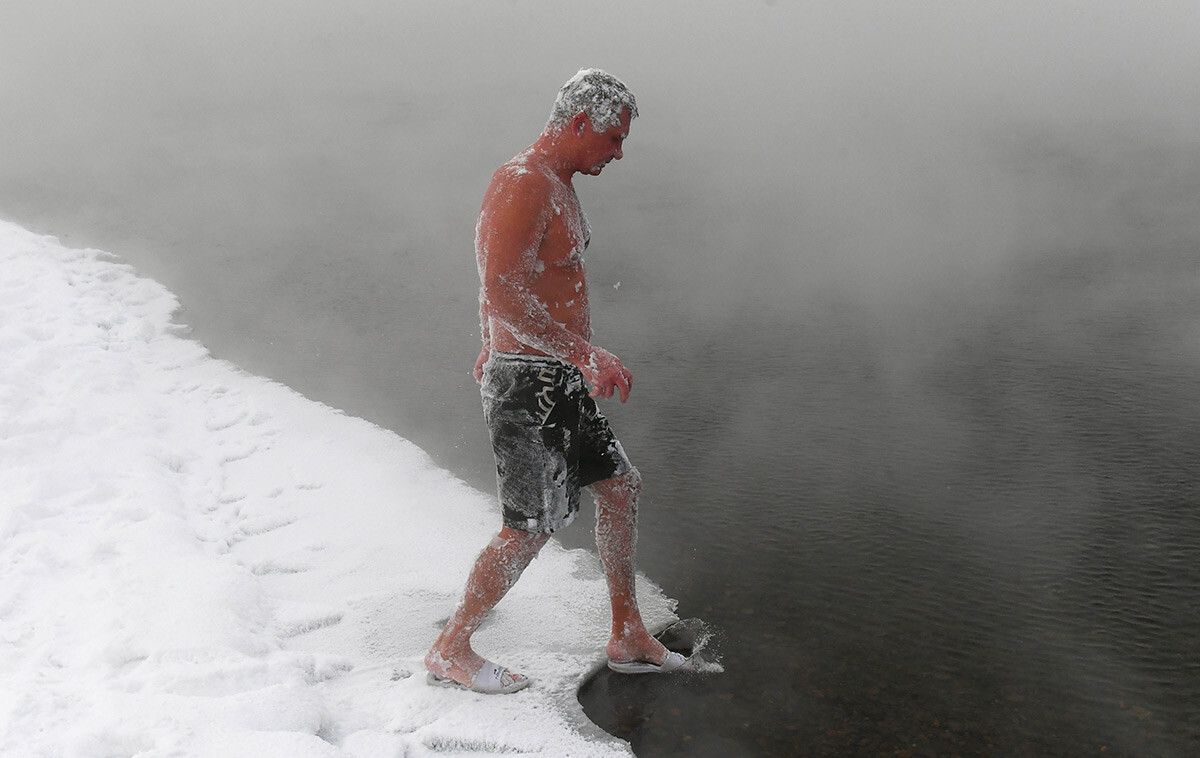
x: 602, y: 389
x: 615, y: 382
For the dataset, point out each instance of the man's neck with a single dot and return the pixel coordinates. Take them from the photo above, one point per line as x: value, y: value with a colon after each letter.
x: 552, y: 150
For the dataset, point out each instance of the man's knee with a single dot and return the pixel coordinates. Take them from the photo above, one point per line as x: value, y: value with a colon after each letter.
x: 518, y: 540
x: 631, y: 482
x: 621, y: 489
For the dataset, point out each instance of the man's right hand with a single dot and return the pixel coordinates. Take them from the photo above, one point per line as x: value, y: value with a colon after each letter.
x: 606, y: 374
x: 482, y: 359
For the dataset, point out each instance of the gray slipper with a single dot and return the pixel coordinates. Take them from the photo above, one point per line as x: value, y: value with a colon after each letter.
x: 673, y: 662
x: 492, y: 679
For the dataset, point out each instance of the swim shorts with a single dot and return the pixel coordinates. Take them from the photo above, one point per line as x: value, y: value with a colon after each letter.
x: 549, y: 438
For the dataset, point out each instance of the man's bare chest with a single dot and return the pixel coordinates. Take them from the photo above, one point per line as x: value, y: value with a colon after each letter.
x: 567, y: 236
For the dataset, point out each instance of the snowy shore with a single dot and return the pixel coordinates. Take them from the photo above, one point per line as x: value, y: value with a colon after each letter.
x: 199, y: 562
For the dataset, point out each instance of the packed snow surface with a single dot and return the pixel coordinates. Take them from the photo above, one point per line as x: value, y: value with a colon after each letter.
x: 199, y: 562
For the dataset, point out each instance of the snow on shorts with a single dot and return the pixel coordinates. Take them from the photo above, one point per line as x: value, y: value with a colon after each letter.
x: 549, y: 438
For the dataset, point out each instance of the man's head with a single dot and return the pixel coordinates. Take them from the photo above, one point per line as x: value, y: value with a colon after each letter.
x: 598, y: 94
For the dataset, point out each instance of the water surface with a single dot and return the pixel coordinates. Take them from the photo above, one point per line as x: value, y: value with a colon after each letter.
x: 977, y: 539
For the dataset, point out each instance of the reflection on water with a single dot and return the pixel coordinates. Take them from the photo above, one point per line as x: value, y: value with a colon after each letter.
x: 981, y: 538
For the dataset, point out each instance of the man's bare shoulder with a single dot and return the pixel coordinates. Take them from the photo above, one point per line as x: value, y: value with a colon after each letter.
x: 521, y: 179
x: 516, y: 210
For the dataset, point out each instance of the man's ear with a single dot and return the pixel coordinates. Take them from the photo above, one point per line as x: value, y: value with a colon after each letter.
x: 578, y: 123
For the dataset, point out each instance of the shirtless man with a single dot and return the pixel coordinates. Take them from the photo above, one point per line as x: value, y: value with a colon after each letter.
x: 549, y: 437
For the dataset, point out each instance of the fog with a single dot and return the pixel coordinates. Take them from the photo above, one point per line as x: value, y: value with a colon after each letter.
x: 878, y: 146
x: 306, y: 177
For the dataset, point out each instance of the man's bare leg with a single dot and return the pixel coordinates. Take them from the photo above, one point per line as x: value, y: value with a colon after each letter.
x: 616, y: 541
x: 496, y: 570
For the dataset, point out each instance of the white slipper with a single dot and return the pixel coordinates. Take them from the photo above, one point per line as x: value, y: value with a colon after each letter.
x: 672, y: 662
x: 492, y: 679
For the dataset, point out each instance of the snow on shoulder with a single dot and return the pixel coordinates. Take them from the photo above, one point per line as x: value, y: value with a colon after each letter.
x: 199, y: 562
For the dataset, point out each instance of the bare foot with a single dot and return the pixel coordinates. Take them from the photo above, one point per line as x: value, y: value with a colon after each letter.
x: 462, y: 667
x: 488, y: 678
x: 641, y: 647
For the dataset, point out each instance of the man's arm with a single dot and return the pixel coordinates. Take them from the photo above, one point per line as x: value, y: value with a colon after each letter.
x: 515, y: 215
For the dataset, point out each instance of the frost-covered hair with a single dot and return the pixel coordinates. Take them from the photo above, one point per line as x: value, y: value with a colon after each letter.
x: 597, y: 93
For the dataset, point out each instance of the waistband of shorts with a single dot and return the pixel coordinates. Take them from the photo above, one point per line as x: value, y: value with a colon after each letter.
x: 537, y: 360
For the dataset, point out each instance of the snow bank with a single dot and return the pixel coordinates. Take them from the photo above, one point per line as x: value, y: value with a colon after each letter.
x: 199, y: 562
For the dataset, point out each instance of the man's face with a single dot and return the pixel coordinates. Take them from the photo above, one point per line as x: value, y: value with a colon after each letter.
x: 602, y: 147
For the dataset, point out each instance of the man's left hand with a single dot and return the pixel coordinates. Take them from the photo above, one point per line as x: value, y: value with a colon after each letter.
x: 606, y: 374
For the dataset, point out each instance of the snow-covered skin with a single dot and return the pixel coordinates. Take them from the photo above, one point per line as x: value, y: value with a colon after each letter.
x: 199, y: 562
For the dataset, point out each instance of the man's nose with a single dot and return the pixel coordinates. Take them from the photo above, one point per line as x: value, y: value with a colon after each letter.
x: 617, y: 155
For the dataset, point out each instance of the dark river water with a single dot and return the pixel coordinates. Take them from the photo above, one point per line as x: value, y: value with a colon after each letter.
x: 910, y: 291
x: 978, y: 538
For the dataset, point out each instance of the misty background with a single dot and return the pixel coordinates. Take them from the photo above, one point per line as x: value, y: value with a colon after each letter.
x: 909, y: 291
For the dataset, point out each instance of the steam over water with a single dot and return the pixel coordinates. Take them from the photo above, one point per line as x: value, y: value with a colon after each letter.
x: 909, y: 291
